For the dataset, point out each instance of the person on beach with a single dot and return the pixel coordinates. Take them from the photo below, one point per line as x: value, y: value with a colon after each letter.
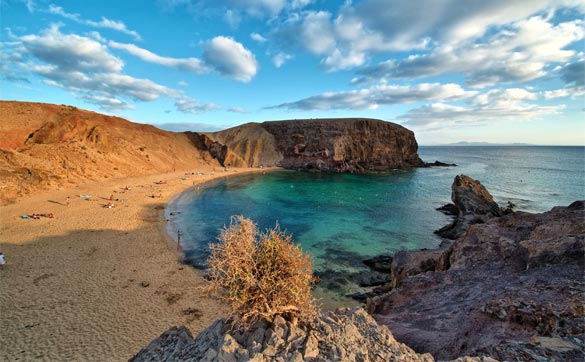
x: 67, y: 200
x: 2, y: 261
x: 111, y: 197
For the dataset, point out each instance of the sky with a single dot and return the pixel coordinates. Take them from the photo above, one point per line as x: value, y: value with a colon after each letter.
x: 501, y: 71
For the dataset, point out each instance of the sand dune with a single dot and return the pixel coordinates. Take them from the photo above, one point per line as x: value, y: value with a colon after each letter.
x: 94, y: 283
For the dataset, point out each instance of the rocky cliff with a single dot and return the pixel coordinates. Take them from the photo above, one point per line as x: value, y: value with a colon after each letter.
x: 341, y: 145
x: 509, y: 287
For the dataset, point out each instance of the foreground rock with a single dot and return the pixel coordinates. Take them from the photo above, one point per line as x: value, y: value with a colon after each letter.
x: 345, y: 335
x: 340, y: 145
x: 472, y: 204
x: 511, y: 288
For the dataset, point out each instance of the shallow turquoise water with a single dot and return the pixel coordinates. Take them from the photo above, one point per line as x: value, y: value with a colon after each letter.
x: 342, y: 218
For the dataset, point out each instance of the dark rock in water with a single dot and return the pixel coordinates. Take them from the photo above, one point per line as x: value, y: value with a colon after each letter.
x: 338, y: 145
x: 372, y: 278
x: 380, y: 263
x: 362, y: 297
x: 449, y: 209
x: 335, y: 279
x: 474, y: 203
x: 471, y: 197
x: 344, y: 335
x: 511, y: 287
x: 438, y: 164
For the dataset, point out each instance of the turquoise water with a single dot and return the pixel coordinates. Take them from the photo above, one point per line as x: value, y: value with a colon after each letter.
x: 341, y: 219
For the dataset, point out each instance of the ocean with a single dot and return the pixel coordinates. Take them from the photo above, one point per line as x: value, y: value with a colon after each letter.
x: 342, y: 218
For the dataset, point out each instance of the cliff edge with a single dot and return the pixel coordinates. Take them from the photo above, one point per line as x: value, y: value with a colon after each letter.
x: 338, y: 145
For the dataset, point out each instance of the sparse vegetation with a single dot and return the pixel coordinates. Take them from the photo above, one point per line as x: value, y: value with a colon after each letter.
x: 261, y: 275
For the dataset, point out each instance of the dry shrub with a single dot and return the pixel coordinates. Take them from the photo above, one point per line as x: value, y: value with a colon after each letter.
x: 261, y: 275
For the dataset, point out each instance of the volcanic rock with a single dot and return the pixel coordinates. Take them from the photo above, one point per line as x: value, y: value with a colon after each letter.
x: 344, y: 335
x: 474, y: 203
x: 380, y: 263
x: 509, y: 288
x: 340, y: 145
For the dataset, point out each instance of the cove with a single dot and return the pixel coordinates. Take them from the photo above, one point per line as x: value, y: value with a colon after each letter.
x: 340, y: 219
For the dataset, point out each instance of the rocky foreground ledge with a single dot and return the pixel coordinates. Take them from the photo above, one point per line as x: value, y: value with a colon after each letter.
x: 343, y: 335
x: 510, y: 286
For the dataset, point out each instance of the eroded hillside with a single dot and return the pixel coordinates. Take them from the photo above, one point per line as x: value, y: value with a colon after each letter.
x: 45, y: 146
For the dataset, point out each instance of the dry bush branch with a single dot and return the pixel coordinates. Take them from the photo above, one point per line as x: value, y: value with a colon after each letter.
x: 261, y: 275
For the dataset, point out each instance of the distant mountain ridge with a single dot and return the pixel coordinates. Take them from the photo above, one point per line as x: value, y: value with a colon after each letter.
x: 464, y: 143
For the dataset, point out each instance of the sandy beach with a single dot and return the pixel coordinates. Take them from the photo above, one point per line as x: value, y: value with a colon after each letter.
x: 95, y: 283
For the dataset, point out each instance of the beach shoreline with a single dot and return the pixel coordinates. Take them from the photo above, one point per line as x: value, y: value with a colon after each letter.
x: 98, y: 283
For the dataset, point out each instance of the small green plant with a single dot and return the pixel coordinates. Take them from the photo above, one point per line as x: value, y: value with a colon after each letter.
x: 261, y: 275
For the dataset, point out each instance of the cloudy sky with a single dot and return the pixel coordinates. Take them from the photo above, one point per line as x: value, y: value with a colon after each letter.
x: 451, y: 70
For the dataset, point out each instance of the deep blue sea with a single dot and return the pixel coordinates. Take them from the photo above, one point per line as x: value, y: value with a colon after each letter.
x: 342, y: 218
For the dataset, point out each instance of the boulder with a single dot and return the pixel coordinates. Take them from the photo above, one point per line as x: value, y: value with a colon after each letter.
x: 474, y: 205
x: 343, y: 335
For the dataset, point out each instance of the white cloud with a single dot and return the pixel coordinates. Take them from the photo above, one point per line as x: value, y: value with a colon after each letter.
x: 350, y: 37
x: 103, y: 23
x: 87, y: 69
x: 29, y: 4
x: 520, y: 53
x: 279, y: 59
x: 232, y: 18
x: 230, y: 58
x: 189, y: 105
x: 257, y: 37
x: 493, y: 106
x: 71, y: 52
x: 299, y: 4
x: 192, y: 65
x: 338, y: 61
x: 237, y: 110
x: 372, y: 98
x: 258, y: 8
x: 573, y: 74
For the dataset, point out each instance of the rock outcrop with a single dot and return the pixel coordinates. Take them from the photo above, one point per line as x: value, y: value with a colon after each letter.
x: 46, y: 146
x: 344, y: 335
x: 472, y: 204
x: 340, y: 145
x: 511, y: 287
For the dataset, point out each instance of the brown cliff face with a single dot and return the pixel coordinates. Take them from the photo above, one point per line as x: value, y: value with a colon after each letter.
x: 248, y: 145
x: 45, y: 146
x: 345, y: 145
